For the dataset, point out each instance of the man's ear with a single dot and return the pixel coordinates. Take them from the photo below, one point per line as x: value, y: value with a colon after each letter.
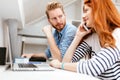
x: 64, y: 14
x: 48, y: 20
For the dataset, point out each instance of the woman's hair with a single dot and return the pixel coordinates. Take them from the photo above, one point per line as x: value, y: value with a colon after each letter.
x: 106, y: 19
x: 53, y: 5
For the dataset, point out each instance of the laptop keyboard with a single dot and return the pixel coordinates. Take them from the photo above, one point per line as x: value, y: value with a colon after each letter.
x: 23, y: 65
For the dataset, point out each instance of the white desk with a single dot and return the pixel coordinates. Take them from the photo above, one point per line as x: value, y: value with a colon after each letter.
x: 43, y: 75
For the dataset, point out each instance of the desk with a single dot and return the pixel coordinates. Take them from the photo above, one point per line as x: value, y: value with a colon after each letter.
x: 43, y: 75
x: 3, y: 67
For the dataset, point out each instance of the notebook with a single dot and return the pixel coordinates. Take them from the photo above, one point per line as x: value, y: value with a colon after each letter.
x: 29, y: 66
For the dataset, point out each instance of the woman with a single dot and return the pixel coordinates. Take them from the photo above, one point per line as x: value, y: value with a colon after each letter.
x: 104, y: 20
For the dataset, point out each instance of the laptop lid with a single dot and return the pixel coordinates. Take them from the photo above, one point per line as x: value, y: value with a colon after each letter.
x: 9, y: 48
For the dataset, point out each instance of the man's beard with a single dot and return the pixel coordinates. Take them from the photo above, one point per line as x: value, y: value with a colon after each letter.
x: 59, y: 27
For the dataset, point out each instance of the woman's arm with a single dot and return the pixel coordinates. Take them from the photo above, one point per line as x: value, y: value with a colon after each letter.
x: 103, y: 61
x: 76, y: 41
x: 69, y: 53
x: 64, y: 66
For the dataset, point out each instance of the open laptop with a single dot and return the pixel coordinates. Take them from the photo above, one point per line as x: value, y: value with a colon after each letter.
x: 41, y: 66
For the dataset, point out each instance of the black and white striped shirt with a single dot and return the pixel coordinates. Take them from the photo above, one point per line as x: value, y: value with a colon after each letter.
x: 82, y: 50
x: 105, y: 64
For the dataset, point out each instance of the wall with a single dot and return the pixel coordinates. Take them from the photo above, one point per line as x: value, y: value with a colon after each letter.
x: 117, y: 4
x: 11, y: 25
x: 9, y: 9
x: 35, y: 9
x: 1, y: 34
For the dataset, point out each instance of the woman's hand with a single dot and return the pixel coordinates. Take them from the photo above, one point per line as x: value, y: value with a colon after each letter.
x: 55, y: 63
x: 81, y: 32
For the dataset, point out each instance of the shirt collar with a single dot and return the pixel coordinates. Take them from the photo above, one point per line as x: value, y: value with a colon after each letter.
x: 63, y: 30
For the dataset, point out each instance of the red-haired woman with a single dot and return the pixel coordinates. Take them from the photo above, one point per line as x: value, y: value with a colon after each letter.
x: 104, y: 20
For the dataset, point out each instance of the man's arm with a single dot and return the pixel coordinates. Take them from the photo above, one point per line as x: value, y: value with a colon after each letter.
x: 69, y: 53
x: 55, y: 52
x: 29, y: 55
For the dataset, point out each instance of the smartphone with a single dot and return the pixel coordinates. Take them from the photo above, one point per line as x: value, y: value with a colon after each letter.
x: 85, y: 27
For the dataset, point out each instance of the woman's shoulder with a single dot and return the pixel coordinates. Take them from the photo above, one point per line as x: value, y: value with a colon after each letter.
x: 117, y: 30
x: 116, y: 34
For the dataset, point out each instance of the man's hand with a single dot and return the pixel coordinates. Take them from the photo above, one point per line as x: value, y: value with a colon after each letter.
x: 27, y: 55
x: 47, y: 30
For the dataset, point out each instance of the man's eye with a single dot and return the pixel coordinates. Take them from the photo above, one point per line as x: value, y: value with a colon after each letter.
x: 53, y: 18
x: 60, y: 16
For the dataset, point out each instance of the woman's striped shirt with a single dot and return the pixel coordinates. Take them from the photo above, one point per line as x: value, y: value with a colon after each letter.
x: 105, y: 64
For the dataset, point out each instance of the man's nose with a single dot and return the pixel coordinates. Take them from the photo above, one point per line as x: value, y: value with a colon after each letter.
x: 58, y: 20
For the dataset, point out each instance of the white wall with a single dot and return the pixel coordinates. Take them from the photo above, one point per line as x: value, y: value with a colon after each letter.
x: 35, y: 9
x: 31, y: 48
x: 117, y: 4
x: 1, y: 34
x: 118, y: 7
x: 9, y: 9
x: 15, y: 40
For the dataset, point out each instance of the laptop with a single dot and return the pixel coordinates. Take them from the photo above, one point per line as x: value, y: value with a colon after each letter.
x: 29, y: 66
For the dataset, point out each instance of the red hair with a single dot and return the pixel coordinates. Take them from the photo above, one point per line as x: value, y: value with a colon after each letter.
x: 106, y: 19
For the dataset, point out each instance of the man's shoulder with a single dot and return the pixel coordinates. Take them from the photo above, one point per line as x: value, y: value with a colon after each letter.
x: 69, y: 30
x: 70, y: 27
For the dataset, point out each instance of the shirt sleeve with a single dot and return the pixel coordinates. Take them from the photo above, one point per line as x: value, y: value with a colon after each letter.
x: 66, y: 40
x: 100, y: 62
x: 81, y: 51
x: 47, y: 52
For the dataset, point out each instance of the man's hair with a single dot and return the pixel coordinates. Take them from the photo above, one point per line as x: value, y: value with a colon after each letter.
x: 53, y: 5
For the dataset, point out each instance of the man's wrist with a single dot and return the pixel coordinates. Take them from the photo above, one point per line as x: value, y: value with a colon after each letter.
x: 49, y: 35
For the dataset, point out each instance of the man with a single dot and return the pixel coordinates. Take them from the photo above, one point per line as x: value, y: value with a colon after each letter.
x: 62, y: 36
